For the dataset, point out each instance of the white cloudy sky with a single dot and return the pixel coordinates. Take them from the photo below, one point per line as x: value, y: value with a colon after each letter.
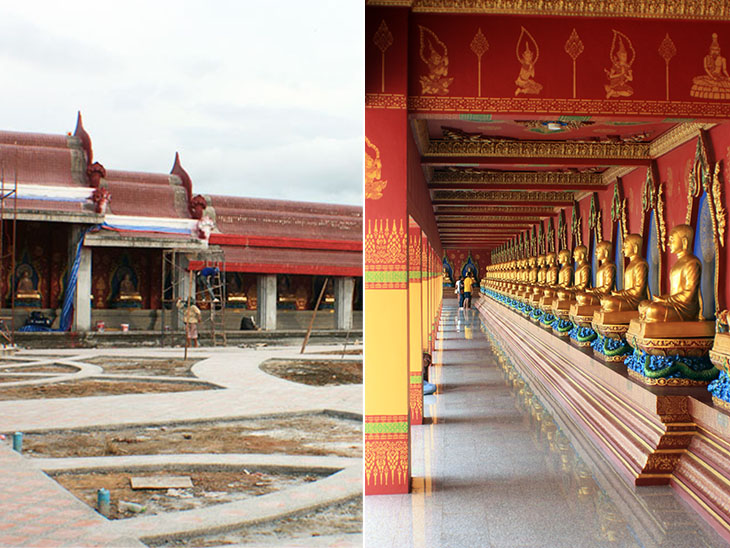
x: 261, y: 98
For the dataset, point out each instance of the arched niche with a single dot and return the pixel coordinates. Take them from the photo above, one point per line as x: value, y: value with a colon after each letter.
x: 618, y: 244
x: 704, y: 250
x: 594, y: 261
x: 449, y: 271
x: 653, y: 256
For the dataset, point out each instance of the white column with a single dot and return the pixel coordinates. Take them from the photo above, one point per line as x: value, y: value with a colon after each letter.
x: 266, y: 308
x: 344, y: 290
x: 82, y: 299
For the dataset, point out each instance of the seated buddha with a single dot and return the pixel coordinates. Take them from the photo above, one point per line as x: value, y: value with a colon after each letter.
x: 682, y: 303
x: 25, y: 290
x: 635, y: 279
x: 565, y: 276
x: 605, y: 276
x: 551, y: 277
x: 541, y: 274
x: 128, y: 291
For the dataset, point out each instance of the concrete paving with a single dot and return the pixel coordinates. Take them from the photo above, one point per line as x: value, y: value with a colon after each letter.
x: 36, y: 511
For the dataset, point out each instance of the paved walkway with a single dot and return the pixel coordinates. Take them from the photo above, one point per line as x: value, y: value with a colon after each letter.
x: 493, y: 468
x: 36, y: 511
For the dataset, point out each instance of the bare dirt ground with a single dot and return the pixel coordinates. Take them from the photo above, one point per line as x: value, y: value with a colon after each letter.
x: 295, y: 435
x: 345, y: 517
x: 209, y: 487
x: 16, y: 378
x: 315, y: 372
x: 52, y: 368
x: 95, y: 387
x: 169, y: 367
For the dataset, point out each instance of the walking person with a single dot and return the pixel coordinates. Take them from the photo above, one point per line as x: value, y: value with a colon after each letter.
x: 468, y: 283
x: 460, y: 291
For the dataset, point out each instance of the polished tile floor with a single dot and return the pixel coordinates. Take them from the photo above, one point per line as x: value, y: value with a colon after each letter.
x: 493, y: 467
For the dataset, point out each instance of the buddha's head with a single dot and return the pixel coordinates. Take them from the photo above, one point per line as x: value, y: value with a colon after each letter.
x: 681, y: 238
x: 564, y: 256
x: 603, y: 250
x: 580, y: 253
x: 550, y: 259
x: 632, y: 245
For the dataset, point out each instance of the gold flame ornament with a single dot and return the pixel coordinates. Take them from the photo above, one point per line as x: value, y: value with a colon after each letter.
x: 436, y: 56
x: 374, y: 185
x: 620, y: 74
x: 715, y: 83
x: 479, y: 46
x: 667, y: 50
x: 383, y: 38
x: 574, y: 47
x: 527, y: 54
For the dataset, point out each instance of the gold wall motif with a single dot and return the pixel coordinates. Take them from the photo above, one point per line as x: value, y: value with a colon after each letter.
x: 479, y: 46
x: 435, y: 55
x: 374, y: 184
x: 383, y: 38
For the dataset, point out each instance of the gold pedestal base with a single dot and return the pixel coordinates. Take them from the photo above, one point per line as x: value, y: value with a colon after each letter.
x: 693, y: 339
x: 721, y: 404
x: 610, y: 359
x: 582, y: 315
x: 613, y: 325
x: 720, y: 353
x: 661, y: 381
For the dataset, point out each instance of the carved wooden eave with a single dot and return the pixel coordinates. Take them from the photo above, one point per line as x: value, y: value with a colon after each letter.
x: 460, y: 217
x: 495, y: 209
x: 512, y: 178
x: 558, y: 198
x: 703, y: 10
x: 678, y: 135
x: 611, y: 174
x: 529, y: 150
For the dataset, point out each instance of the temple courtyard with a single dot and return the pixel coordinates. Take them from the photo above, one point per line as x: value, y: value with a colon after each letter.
x: 248, y: 446
x: 497, y: 463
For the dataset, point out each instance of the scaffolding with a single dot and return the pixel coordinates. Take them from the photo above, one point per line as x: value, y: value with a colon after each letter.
x: 8, y: 225
x: 208, y: 293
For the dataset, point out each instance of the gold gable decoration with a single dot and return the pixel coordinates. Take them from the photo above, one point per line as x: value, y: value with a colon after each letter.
x: 575, y: 227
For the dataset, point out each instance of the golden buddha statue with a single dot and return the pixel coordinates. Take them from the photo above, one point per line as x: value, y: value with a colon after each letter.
x: 565, y: 275
x: 582, y: 277
x: 25, y: 290
x: 128, y: 291
x: 551, y: 277
x: 682, y: 303
x: 635, y: 279
x: 605, y: 276
x: 551, y: 280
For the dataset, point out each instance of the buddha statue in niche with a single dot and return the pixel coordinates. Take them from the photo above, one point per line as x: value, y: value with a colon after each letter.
x: 542, y: 269
x: 128, y: 291
x: 565, y: 275
x: 551, y: 279
x: 682, y: 303
x: 25, y: 290
x: 635, y: 279
x: 582, y: 276
x: 605, y: 276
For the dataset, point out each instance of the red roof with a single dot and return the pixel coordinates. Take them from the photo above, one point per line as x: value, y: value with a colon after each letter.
x: 146, y: 194
x: 291, y: 261
x: 42, y: 159
x: 286, y: 219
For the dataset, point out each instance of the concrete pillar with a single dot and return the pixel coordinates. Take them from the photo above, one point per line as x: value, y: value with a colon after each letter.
x: 266, y: 308
x: 82, y: 298
x: 181, y: 289
x: 344, y: 290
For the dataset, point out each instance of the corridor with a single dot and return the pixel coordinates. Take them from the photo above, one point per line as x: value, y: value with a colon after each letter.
x: 496, y: 465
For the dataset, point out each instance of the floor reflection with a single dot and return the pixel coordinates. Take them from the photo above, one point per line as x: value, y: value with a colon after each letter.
x: 496, y: 465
